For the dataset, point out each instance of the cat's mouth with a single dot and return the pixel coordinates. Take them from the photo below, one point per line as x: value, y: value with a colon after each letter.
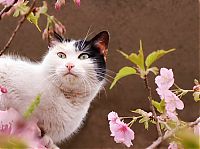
x: 70, y: 73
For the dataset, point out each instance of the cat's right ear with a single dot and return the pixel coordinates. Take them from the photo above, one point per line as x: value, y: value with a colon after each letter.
x: 54, y: 38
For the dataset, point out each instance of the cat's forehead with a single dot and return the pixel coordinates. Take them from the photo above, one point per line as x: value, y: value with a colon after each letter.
x: 72, y: 45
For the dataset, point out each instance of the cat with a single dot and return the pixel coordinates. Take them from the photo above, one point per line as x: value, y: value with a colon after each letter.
x: 68, y: 79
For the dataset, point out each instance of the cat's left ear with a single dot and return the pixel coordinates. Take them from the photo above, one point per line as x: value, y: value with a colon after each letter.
x: 100, y: 41
x: 55, y: 38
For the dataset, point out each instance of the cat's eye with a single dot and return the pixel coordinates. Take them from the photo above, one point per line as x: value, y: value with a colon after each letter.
x: 83, y: 56
x: 61, y: 55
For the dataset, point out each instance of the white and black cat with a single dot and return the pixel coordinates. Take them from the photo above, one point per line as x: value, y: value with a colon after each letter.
x: 68, y: 79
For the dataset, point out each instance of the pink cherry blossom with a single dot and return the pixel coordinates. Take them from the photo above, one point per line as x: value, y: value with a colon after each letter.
x: 59, y: 4
x: 7, y: 2
x: 166, y: 78
x: 113, y: 116
x: 59, y: 28
x: 120, y: 130
x: 197, y: 88
x: 13, y: 8
x: 78, y: 2
x: 173, y: 145
x: 163, y: 93
x: 173, y: 102
x: 13, y: 124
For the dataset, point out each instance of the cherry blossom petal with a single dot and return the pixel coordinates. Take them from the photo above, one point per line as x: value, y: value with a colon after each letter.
x: 78, y: 2
x: 59, y: 4
x: 113, y: 116
x: 170, y: 106
x: 13, y: 124
x: 8, y: 120
x: 7, y: 2
x: 165, y: 80
x: 179, y: 104
x: 163, y: 93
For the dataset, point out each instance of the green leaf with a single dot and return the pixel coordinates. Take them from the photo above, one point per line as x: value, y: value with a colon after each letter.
x: 196, y: 96
x: 146, y: 125
x: 145, y: 120
x: 155, y: 70
x: 34, y: 19
x: 139, y: 111
x: 137, y: 59
x: 160, y: 106
x: 154, y: 56
x: 32, y: 106
x: 125, y: 71
x: 22, y: 9
x: 124, y: 54
x: 196, y: 82
x: 142, y: 120
x: 162, y: 126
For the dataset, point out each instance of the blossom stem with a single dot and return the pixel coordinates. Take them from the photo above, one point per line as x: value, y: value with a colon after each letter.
x: 152, y: 107
x: 21, y: 21
x: 5, y: 9
x: 171, y: 133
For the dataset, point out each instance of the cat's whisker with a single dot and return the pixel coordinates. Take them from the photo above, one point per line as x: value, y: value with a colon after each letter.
x: 98, y: 75
x: 86, y: 36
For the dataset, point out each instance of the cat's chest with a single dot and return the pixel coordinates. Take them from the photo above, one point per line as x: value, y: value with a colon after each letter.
x: 62, y: 119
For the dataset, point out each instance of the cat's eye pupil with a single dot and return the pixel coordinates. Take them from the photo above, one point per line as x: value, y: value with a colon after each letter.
x: 84, y: 56
x: 61, y: 55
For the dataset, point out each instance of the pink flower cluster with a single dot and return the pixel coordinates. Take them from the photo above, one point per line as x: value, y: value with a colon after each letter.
x: 14, y: 5
x: 59, y: 3
x: 164, y: 81
x: 120, y: 130
x: 7, y: 2
x: 13, y: 124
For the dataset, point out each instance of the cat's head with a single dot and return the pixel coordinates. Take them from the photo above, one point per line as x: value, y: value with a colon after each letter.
x: 72, y: 63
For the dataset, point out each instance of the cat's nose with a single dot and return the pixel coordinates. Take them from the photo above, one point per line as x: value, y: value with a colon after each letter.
x: 69, y: 66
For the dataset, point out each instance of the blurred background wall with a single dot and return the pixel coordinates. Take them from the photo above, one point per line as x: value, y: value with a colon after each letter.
x: 160, y: 24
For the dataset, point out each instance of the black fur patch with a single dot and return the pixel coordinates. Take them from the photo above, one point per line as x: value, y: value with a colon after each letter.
x: 94, y: 54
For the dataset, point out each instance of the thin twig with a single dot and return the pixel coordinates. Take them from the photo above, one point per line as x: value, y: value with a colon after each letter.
x: 171, y: 133
x: 152, y: 107
x: 21, y: 21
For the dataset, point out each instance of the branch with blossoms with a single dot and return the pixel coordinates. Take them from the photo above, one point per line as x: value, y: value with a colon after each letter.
x: 19, y: 131
x: 32, y: 13
x: 163, y: 113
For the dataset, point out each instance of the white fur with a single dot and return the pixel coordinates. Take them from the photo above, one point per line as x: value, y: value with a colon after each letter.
x: 59, y: 116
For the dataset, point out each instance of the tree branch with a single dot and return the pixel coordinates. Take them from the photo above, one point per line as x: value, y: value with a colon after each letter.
x: 171, y: 133
x: 152, y: 107
x: 21, y: 21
